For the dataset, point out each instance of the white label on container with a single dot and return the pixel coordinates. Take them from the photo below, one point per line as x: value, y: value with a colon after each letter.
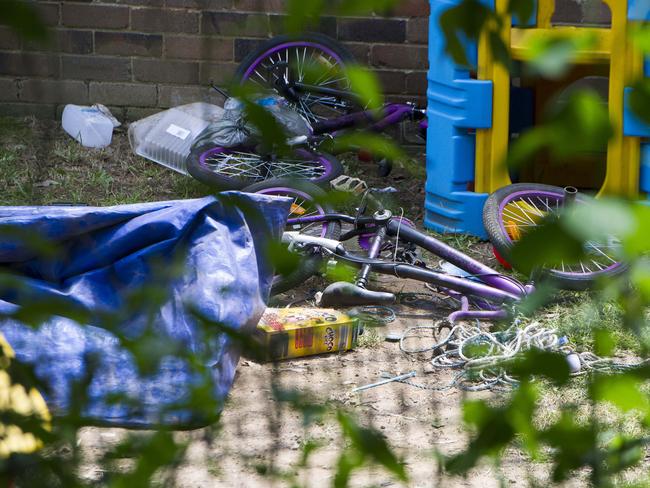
x: 178, y: 131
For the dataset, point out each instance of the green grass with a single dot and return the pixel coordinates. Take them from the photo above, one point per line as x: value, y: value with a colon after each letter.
x: 40, y: 164
x: 579, y: 314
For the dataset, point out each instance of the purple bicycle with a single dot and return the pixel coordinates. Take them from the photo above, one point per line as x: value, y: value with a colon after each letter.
x: 281, y: 66
x: 392, y: 246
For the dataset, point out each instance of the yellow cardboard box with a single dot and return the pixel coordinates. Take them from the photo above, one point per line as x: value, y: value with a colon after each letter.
x: 296, y: 332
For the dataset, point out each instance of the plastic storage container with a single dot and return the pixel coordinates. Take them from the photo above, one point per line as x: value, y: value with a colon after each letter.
x: 166, y: 137
x: 91, y: 126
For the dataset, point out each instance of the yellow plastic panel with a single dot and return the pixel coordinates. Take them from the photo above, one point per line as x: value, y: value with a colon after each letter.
x: 492, y: 143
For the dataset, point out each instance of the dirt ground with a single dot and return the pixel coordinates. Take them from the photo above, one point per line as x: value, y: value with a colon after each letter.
x: 257, y: 434
x: 259, y: 441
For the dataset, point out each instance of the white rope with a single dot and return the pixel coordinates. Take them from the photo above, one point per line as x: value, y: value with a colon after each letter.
x: 487, y: 368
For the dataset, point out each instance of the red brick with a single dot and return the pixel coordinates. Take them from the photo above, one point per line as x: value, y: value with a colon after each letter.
x: 198, y: 47
x: 164, y: 20
x: 48, y: 13
x: 420, y: 101
x: 372, y: 30
x: 8, y: 90
x: 202, y: 4
x: 54, y: 91
x: 131, y: 114
x: 41, y: 111
x: 417, y: 31
x: 411, y: 8
x: 410, y: 57
x: 325, y: 25
x: 99, y: 16
x: 416, y: 82
x: 9, y: 39
x: 102, y: 68
x: 128, y: 44
x: 219, y: 73
x: 245, y: 46
x: 26, y: 64
x: 391, y: 81
x: 174, y: 95
x: 269, y: 6
x: 65, y: 41
x: 232, y: 24
x: 123, y: 94
x: 360, y: 51
x: 166, y: 71
x: 139, y: 3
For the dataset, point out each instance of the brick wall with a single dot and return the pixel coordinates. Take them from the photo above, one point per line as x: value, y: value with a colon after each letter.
x: 138, y: 56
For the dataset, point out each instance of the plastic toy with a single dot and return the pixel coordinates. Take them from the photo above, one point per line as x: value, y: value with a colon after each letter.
x: 471, y: 123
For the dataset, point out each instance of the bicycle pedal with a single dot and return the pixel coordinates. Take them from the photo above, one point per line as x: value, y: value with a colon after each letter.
x: 349, y: 184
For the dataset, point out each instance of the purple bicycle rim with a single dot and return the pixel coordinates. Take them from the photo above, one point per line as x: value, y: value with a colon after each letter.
x: 302, y: 194
x: 209, y: 153
x: 539, y: 193
x: 287, y: 45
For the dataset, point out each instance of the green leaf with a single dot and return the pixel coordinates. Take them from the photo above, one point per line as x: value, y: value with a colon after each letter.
x: 546, y: 245
x: 574, y: 445
x: 461, y: 23
x: 621, y: 390
x: 302, y: 14
x: 640, y: 99
x: 604, y: 342
x: 378, y: 145
x: 363, y: 7
x: 365, y: 86
x: 523, y: 9
x: 640, y: 34
x: 371, y: 444
x: 23, y: 18
x: 545, y: 364
x: 579, y: 126
x: 551, y: 56
x: 600, y: 220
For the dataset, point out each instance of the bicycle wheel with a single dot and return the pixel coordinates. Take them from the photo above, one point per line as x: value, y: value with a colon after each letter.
x: 284, y: 60
x: 307, y: 201
x: 516, y: 209
x: 233, y: 169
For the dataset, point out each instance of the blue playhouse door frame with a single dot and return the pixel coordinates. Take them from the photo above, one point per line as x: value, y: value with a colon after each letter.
x: 457, y: 105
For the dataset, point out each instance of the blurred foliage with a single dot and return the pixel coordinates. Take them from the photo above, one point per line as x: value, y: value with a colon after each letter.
x: 23, y: 18
x: 580, y: 125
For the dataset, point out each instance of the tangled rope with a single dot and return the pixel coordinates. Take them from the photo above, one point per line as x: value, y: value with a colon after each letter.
x: 483, y: 356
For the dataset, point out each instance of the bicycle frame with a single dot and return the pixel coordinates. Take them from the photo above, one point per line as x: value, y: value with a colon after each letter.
x: 485, y: 282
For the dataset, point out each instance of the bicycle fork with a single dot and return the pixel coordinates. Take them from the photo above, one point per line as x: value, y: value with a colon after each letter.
x: 375, y: 250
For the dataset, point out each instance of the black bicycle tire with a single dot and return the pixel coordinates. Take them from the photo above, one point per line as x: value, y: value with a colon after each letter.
x: 503, y: 245
x: 222, y: 183
x: 312, y: 265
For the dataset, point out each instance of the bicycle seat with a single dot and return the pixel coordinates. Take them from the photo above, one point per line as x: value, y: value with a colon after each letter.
x: 343, y: 294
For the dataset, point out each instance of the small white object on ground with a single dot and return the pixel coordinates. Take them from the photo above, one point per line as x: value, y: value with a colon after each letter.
x: 574, y: 362
x: 91, y: 126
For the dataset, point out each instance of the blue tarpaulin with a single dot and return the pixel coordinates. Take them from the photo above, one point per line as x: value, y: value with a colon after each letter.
x: 109, y: 255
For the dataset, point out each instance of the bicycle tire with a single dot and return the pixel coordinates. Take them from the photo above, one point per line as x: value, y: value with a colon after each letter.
x: 310, y: 265
x: 503, y: 241
x: 331, y: 49
x: 204, y: 164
